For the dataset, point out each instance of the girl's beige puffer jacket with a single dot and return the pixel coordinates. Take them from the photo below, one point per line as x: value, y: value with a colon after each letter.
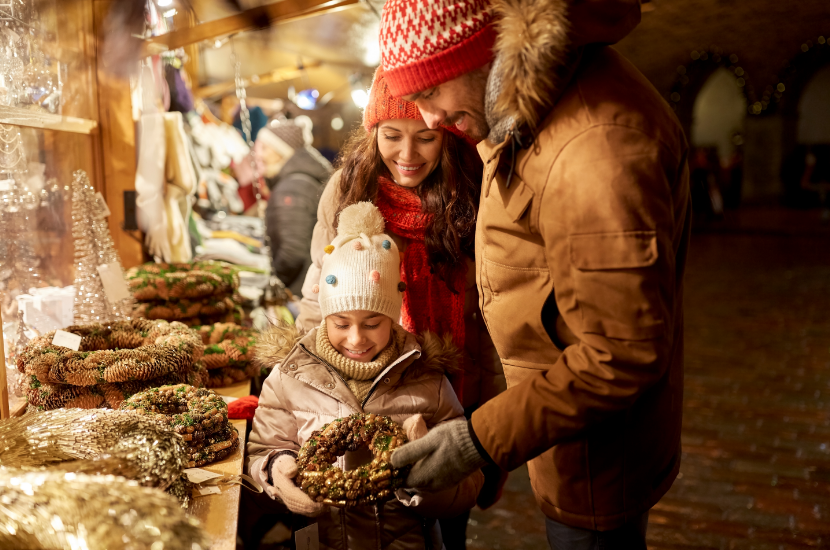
x: 303, y: 392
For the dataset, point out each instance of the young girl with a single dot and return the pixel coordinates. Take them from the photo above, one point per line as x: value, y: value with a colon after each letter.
x: 359, y: 360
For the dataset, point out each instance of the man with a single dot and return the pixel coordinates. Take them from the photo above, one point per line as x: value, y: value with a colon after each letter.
x: 581, y: 244
x: 296, y: 181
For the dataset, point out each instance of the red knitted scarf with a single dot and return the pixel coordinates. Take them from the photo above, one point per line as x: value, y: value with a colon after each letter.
x: 428, y: 304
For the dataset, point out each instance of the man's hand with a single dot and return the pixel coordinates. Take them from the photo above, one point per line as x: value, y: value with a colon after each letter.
x: 443, y: 457
x: 283, y: 471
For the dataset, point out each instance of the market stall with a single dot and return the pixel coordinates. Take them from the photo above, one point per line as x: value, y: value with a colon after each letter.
x: 134, y: 261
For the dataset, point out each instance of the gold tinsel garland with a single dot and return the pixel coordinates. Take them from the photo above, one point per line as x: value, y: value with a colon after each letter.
x: 65, y: 510
x: 100, y: 441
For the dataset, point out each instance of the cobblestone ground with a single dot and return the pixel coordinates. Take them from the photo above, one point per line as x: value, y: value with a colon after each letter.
x: 756, y: 441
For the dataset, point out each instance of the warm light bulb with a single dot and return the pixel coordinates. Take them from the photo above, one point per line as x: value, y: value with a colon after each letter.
x: 360, y: 98
x: 337, y: 123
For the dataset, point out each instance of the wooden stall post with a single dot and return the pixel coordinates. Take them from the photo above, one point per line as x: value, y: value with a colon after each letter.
x: 4, y: 387
x: 117, y: 145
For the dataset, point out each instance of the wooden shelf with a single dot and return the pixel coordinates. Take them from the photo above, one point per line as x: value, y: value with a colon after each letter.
x: 33, y: 119
x: 278, y: 12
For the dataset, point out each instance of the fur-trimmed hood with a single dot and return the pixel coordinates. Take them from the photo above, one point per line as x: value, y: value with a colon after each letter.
x: 537, y: 46
x: 437, y: 355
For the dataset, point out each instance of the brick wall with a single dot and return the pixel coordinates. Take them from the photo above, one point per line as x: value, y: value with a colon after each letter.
x: 765, y: 35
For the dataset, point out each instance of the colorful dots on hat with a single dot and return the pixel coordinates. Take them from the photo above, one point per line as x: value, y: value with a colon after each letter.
x: 331, y: 279
x: 386, y: 244
x: 315, y: 289
x: 401, y: 286
x: 357, y: 245
x: 374, y: 276
x: 328, y: 249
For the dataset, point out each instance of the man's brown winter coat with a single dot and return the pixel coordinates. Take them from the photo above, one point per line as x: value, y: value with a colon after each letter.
x: 580, y: 256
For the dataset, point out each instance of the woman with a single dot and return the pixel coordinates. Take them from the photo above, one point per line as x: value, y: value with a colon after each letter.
x: 426, y: 184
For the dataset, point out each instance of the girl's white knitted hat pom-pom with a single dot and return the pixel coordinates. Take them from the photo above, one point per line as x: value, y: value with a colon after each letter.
x: 361, y: 217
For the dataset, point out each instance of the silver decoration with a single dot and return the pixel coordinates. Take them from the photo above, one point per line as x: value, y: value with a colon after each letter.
x: 93, y: 247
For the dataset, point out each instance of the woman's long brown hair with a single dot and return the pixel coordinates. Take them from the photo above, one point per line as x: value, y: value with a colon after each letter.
x: 450, y: 193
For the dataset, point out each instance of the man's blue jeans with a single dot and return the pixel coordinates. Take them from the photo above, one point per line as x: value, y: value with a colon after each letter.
x: 631, y: 536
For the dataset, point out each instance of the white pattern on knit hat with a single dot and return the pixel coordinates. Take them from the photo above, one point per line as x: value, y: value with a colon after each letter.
x: 406, y: 39
x: 424, y: 43
x: 362, y: 273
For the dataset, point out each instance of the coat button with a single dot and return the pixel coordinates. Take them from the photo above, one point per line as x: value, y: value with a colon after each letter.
x: 329, y: 385
x: 292, y: 366
x: 386, y: 380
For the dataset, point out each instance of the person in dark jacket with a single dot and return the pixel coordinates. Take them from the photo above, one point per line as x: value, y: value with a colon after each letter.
x: 292, y: 206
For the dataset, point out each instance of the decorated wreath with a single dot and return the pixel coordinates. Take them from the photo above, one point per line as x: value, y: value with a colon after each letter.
x: 227, y: 345
x: 44, y: 397
x: 198, y: 414
x: 182, y: 280
x: 228, y: 376
x: 117, y: 352
x: 186, y: 308
x: 235, y: 316
x: 366, y: 485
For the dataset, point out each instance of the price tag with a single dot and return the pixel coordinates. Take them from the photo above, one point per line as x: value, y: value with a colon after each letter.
x: 307, y: 538
x: 66, y: 340
x: 102, y: 205
x: 198, y: 475
x: 115, y: 287
x: 212, y: 490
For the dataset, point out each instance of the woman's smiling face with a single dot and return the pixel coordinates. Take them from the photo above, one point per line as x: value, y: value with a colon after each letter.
x: 409, y: 149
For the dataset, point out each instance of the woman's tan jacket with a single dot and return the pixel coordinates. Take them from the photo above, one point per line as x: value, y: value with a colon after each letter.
x: 303, y: 392
x: 484, y: 377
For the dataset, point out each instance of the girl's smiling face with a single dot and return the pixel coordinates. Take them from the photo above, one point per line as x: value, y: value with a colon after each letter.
x: 359, y: 335
x: 410, y: 150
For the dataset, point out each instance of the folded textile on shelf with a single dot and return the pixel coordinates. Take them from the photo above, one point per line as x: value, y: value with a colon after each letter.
x: 230, y: 250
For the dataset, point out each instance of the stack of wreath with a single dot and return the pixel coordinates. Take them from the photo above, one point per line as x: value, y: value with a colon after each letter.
x: 113, y: 362
x: 197, y: 414
x: 228, y: 356
x: 198, y: 293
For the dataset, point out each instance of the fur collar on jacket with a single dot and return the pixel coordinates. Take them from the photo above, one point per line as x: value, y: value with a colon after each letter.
x: 436, y: 355
x: 537, y: 47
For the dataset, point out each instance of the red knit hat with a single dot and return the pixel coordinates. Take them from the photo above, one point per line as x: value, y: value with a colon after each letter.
x: 424, y: 43
x: 383, y: 105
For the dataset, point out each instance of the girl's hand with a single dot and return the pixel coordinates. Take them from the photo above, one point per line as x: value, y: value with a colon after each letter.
x: 283, y: 471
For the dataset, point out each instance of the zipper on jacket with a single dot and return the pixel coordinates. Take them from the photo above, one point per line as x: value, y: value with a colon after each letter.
x: 398, y: 361
x: 326, y: 363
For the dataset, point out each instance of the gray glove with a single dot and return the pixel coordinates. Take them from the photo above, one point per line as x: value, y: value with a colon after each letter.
x: 445, y: 456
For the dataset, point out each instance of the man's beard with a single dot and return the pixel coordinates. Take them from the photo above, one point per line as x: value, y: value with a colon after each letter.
x: 475, y: 83
x: 478, y: 128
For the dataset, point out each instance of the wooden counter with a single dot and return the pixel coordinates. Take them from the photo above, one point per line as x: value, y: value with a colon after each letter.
x: 219, y: 513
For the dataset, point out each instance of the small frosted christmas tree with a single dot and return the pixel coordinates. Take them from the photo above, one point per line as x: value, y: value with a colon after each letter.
x: 93, y: 247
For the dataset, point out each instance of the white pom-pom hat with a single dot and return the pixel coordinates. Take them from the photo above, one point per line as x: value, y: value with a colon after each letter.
x: 361, y: 269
